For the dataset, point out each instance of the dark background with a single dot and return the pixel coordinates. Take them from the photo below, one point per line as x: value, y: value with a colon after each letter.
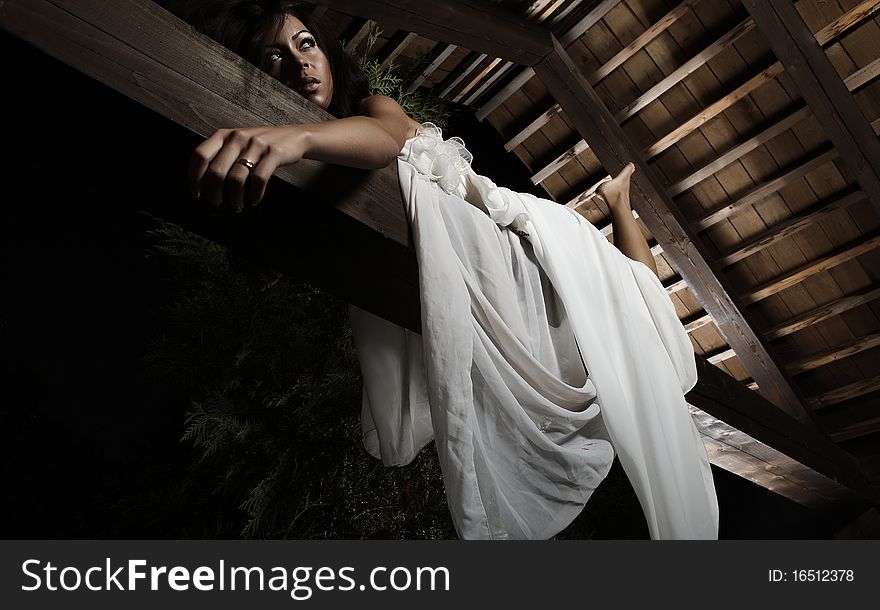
x: 79, y: 416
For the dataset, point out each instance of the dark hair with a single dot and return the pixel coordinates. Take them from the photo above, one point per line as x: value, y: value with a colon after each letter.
x: 240, y: 26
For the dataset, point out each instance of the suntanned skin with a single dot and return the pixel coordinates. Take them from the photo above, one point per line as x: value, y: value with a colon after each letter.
x: 370, y: 140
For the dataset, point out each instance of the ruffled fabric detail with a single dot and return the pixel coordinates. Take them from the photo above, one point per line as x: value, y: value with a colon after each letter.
x: 445, y: 162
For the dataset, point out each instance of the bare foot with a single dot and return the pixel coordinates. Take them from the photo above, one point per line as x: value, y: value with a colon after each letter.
x: 615, y: 192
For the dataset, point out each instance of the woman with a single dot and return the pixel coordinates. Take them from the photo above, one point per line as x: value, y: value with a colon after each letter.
x: 520, y: 299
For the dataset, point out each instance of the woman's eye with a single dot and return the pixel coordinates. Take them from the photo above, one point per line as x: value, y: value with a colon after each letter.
x: 307, y: 43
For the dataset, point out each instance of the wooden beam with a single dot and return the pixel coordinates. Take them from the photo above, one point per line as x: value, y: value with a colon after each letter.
x: 526, y: 74
x: 500, y: 33
x: 713, y: 110
x: 798, y: 275
x: 762, y: 191
x: 473, y: 83
x: 437, y: 56
x: 360, y: 30
x: 720, y: 356
x: 728, y: 400
x: 595, y: 124
x: 459, y: 73
x: 815, y: 215
x: 739, y: 453
x: 468, y: 101
x: 857, y: 430
x: 834, y: 30
x: 738, y: 151
x: 834, y: 354
x: 863, y: 76
x: 182, y: 87
x: 822, y: 88
x: 397, y: 45
x: 847, y: 392
x: 823, y: 312
x: 652, y: 94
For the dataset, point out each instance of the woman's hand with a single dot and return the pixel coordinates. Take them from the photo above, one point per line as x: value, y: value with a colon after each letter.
x: 217, y: 170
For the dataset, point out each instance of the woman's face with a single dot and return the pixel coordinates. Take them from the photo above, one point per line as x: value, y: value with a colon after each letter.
x: 292, y: 56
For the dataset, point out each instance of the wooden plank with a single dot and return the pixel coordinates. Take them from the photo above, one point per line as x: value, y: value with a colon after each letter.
x: 713, y: 110
x: 664, y: 220
x: 642, y: 41
x: 459, y: 73
x: 202, y: 97
x: 798, y: 275
x: 725, y: 399
x: 814, y: 361
x: 397, y: 45
x: 696, y: 322
x: 834, y: 30
x: 823, y: 90
x: 787, y: 228
x: 739, y: 151
x: 468, y: 101
x: 747, y: 457
x: 438, y: 55
x: 654, y: 93
x: 847, y: 392
x: 823, y: 312
x: 720, y: 356
x: 762, y: 191
x: 193, y: 85
x: 501, y: 33
x: 863, y: 76
x: 468, y: 87
x: 856, y: 430
x: 361, y: 31
x: 527, y: 73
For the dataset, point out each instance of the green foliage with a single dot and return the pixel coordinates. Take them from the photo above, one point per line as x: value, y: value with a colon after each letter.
x: 273, y: 385
x: 420, y: 105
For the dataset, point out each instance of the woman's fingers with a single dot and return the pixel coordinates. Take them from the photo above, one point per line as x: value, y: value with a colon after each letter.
x: 259, y: 177
x: 201, y: 158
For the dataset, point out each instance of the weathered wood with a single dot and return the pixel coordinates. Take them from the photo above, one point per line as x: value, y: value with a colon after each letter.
x: 652, y: 94
x: 822, y: 88
x: 863, y: 76
x: 762, y: 191
x: 812, y: 268
x: 361, y: 29
x: 696, y: 322
x: 724, y: 398
x: 847, y: 392
x: 787, y: 228
x: 477, y: 92
x: 459, y: 73
x: 674, y: 285
x: 720, y: 355
x: 737, y: 452
x: 473, y: 83
x: 438, y: 55
x: 397, y: 45
x: 856, y: 430
x: 834, y: 354
x: 834, y: 30
x: 500, y: 33
x: 127, y: 48
x: 713, y: 110
x: 823, y: 312
x: 527, y: 73
x: 738, y: 151
x: 642, y: 41
x: 595, y: 124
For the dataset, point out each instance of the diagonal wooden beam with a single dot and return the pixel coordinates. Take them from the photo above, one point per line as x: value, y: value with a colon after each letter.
x: 595, y: 123
x: 823, y: 90
x: 436, y: 57
x: 839, y: 352
x: 500, y: 33
x: 823, y: 312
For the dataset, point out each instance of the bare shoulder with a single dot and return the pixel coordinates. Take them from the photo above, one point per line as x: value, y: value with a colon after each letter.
x: 387, y: 110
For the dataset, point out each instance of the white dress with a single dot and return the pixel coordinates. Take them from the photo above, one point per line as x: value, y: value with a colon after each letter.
x: 516, y: 307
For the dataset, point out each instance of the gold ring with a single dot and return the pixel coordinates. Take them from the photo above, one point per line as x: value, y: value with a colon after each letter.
x: 247, y: 163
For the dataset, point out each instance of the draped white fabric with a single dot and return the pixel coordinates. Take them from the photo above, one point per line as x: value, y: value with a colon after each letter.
x: 510, y: 320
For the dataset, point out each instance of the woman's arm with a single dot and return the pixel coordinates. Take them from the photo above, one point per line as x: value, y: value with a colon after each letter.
x: 370, y: 141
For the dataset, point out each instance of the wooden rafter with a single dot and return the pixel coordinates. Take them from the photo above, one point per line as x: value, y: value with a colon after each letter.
x: 594, y: 122
x: 438, y: 55
x: 834, y: 354
x: 847, y: 392
x: 822, y: 89
x: 397, y: 45
x: 823, y: 312
x: 501, y: 34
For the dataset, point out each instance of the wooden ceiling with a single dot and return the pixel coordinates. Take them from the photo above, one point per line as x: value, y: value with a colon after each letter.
x: 758, y: 148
